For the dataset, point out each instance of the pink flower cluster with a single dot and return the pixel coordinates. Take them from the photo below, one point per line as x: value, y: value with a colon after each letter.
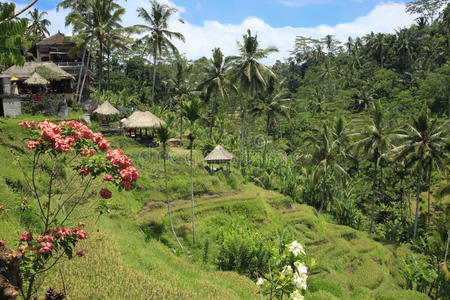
x: 63, y: 141
x: 128, y: 173
x: 45, y: 244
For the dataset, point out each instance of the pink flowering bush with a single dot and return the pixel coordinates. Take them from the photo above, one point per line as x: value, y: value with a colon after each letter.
x: 55, y: 194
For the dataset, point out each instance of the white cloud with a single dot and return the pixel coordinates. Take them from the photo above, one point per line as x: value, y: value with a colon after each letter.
x: 200, y: 40
x: 304, y: 2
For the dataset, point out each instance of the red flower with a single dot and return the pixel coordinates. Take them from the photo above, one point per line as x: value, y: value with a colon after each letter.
x: 92, y: 152
x: 81, y: 224
x: 103, y: 145
x: 25, y: 199
x: 32, y: 144
x: 107, y: 177
x: 97, y: 137
x: 26, y: 236
x: 2, y: 207
x: 81, y: 253
x: 46, y: 204
x: 81, y: 234
x: 105, y: 193
x: 84, y: 152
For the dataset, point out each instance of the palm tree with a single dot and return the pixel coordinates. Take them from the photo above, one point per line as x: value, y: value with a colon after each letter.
x: 216, y: 81
x: 424, y: 143
x: 100, y: 21
x: 163, y: 135
x: 375, y: 140
x: 270, y: 105
x: 251, y: 74
x: 404, y: 47
x: 159, y: 37
x: 191, y: 111
x: 377, y: 47
x: 37, y: 29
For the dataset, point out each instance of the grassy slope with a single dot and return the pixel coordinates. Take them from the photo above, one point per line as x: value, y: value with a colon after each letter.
x: 129, y: 259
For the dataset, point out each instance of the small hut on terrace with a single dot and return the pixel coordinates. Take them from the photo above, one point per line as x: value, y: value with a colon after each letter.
x: 220, y: 156
x: 141, y: 120
x: 106, y: 110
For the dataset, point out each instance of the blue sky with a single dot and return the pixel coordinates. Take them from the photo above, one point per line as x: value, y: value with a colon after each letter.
x: 220, y: 23
x: 277, y: 13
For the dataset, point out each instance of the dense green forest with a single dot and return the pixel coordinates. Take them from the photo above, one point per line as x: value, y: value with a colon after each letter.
x: 357, y: 130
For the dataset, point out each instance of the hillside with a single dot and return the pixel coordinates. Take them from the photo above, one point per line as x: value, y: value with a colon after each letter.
x: 132, y: 255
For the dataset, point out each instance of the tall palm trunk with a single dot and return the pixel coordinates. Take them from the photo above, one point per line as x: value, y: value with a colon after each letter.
x: 80, y: 74
x: 372, y: 213
x: 108, y: 82
x: 181, y: 130
x: 154, y: 78
x: 429, y: 188
x: 86, y: 70
x: 100, y: 75
x: 324, y: 189
x: 244, y: 120
x: 418, y: 199
x: 192, y: 195
x: 265, y: 140
x: 168, y: 201
x: 213, y: 114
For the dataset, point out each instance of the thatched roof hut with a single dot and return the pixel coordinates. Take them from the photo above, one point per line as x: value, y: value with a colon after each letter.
x: 142, y: 120
x: 106, y: 109
x: 47, y: 70
x: 219, y: 155
x: 36, y: 79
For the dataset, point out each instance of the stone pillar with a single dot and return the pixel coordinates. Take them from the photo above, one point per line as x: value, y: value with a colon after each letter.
x: 6, y: 86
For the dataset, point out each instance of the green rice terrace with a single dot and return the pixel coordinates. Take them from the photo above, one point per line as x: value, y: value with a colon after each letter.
x: 132, y: 254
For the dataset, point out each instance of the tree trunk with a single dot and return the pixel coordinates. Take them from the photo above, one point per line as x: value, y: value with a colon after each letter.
x: 108, y: 82
x: 192, y: 196
x: 324, y: 189
x: 80, y: 74
x: 248, y: 148
x: 244, y: 120
x: 181, y: 130
x: 213, y: 114
x: 373, y: 195
x: 265, y: 140
x: 418, y: 200
x: 86, y: 70
x: 168, y: 201
x: 428, y: 192
x: 100, y: 77
x: 154, y: 78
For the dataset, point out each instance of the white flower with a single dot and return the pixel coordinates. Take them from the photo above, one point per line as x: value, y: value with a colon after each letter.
x: 301, y: 268
x: 300, y: 281
x: 295, y: 295
x: 260, y: 281
x: 296, y: 248
x: 287, y: 269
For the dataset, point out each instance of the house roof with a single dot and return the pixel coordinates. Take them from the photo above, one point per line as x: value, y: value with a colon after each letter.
x: 142, y: 119
x: 56, y: 39
x: 106, y: 109
x: 48, y: 70
x: 219, y: 154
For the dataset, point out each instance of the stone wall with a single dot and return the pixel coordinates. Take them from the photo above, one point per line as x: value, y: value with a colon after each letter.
x: 11, y: 106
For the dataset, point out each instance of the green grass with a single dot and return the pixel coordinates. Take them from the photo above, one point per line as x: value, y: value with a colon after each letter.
x: 131, y: 252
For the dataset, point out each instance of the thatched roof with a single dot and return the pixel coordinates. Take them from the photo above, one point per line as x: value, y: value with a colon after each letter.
x: 48, y: 70
x: 36, y: 79
x: 219, y: 154
x: 142, y: 119
x: 56, y: 39
x: 106, y: 109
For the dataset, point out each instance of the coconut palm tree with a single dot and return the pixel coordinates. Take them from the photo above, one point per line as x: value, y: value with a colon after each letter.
x: 423, y: 142
x: 377, y: 47
x: 163, y: 135
x: 251, y: 74
x: 270, y: 105
x: 158, y: 35
x: 191, y: 111
x: 216, y: 81
x: 99, y: 22
x: 37, y: 29
x: 375, y: 140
